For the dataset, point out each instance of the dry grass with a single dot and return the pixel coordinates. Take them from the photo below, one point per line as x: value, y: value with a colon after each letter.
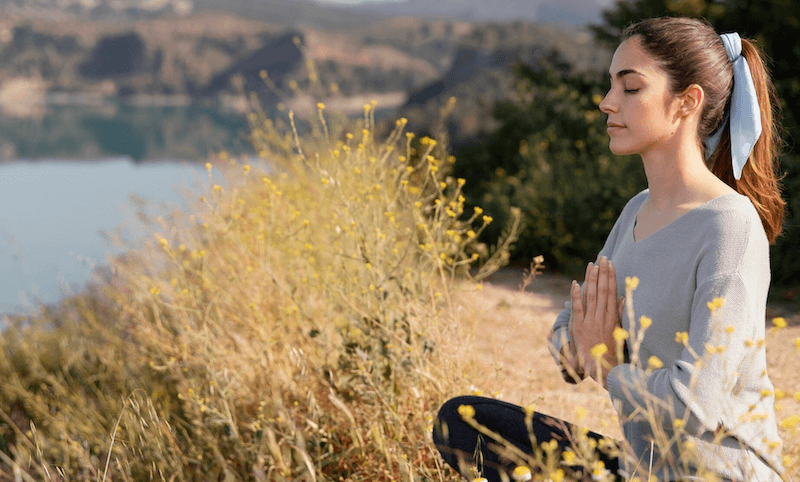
x: 296, y: 325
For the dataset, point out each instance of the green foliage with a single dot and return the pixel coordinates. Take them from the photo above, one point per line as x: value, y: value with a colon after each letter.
x: 550, y: 157
x: 775, y: 25
x: 550, y: 154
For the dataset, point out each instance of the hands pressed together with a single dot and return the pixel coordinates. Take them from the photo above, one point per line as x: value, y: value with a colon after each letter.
x: 596, y: 312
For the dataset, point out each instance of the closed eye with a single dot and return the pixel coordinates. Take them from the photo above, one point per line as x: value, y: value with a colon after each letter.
x: 631, y: 91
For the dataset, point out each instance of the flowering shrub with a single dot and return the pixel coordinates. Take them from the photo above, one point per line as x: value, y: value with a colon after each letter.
x: 290, y: 327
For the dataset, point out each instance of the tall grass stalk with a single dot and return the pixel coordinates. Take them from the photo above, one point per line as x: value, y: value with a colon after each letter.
x: 294, y: 325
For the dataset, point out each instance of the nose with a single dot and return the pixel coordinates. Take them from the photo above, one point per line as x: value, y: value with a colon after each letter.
x: 607, y: 105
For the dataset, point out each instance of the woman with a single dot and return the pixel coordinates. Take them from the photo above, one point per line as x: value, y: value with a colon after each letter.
x: 693, y: 397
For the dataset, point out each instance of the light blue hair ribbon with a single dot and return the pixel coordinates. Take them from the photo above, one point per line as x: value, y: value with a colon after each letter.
x: 744, y: 114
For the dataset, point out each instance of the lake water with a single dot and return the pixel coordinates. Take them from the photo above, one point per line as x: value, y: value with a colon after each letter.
x: 53, y: 215
x: 55, y: 205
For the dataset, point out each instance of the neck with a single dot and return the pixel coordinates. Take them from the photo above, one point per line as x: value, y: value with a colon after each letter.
x: 676, y: 172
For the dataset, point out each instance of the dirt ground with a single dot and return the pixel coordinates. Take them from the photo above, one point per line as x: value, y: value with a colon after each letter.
x: 508, y: 329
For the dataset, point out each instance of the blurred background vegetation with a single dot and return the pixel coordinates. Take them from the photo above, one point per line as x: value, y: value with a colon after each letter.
x: 550, y: 154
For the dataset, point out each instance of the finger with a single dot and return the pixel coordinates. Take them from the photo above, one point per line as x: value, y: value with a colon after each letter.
x: 620, y: 309
x: 589, y: 268
x: 591, y: 290
x: 602, y: 291
x: 611, y: 297
x: 577, y: 304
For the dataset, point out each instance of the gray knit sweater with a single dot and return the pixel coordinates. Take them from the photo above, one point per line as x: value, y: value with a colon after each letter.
x: 718, y: 249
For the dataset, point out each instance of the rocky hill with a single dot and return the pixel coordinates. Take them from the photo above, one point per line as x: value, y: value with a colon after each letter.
x: 575, y: 12
x: 175, y: 56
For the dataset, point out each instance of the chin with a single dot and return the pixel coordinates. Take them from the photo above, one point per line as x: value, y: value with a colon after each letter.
x: 620, y: 149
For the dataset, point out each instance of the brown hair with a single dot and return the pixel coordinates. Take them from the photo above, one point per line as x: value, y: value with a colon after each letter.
x: 691, y: 52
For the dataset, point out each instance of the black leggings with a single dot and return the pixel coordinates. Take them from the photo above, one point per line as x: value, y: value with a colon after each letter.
x: 458, y: 440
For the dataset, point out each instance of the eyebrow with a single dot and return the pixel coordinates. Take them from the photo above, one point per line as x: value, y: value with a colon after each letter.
x: 624, y: 72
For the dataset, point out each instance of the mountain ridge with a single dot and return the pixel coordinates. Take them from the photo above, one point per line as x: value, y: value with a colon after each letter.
x: 316, y: 13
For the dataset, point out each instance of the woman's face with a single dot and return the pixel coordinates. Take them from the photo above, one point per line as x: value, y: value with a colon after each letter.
x: 640, y: 106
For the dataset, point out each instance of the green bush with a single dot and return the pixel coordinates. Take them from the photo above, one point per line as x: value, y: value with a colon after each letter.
x: 550, y: 158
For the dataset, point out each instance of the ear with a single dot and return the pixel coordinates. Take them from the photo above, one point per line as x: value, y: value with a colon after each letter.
x: 690, y: 101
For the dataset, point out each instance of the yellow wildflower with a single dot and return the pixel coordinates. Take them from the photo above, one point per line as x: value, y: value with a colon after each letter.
x: 716, y: 303
x: 645, y: 322
x: 681, y: 337
x: 522, y: 473
x: 790, y: 422
x: 654, y: 363
x: 599, y: 470
x: 620, y: 334
x: 631, y: 282
x: 529, y: 409
x: 779, y: 322
x: 599, y: 350
x: 467, y: 412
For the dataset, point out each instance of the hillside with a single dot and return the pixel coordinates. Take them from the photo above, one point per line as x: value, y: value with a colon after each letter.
x: 575, y: 12
x: 412, y: 64
x: 289, y: 13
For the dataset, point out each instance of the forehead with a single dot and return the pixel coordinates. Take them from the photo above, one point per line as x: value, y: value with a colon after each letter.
x: 631, y: 59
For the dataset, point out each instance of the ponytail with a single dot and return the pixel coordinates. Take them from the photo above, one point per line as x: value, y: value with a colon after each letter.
x: 759, y: 180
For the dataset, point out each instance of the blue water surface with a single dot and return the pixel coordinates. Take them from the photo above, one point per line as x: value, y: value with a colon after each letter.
x: 53, y: 215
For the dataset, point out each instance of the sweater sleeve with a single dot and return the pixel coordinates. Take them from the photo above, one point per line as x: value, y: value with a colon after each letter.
x: 720, y: 375
x: 713, y: 367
